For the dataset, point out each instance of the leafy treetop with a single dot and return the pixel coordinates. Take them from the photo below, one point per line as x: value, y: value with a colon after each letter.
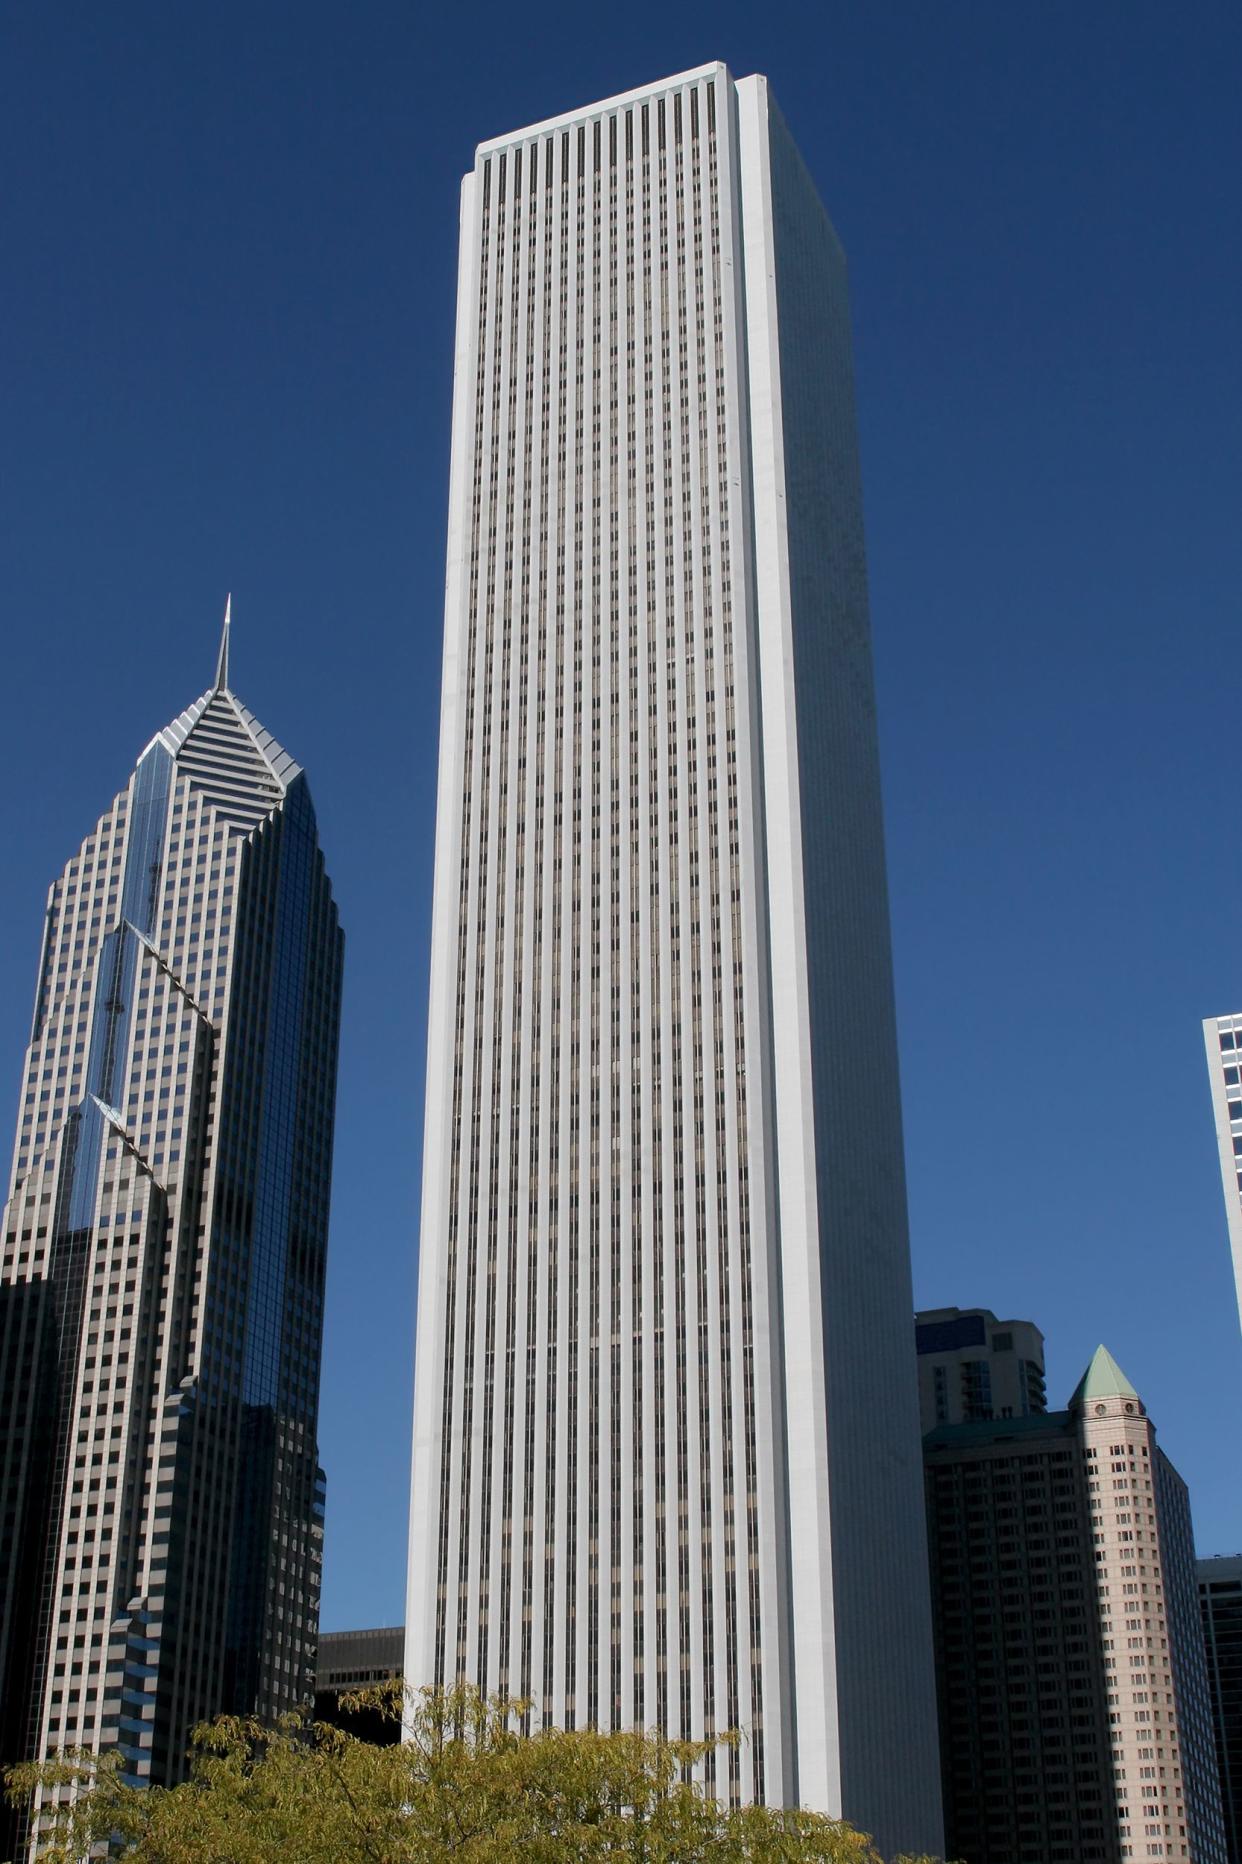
x: 467, y: 1785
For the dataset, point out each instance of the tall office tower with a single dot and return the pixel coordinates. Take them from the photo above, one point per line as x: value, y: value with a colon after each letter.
x: 973, y: 1366
x: 161, y: 1299
x: 1222, y: 1036
x: 666, y: 1461
x: 1074, y: 1711
x: 1220, y: 1601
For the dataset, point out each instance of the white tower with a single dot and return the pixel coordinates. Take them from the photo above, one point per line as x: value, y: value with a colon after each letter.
x: 667, y: 1466
x: 1222, y: 1037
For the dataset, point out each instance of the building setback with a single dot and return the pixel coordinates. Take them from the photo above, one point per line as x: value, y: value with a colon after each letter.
x: 161, y: 1287
x: 973, y: 1366
x: 1220, y: 1601
x: 666, y: 1452
x: 1075, y: 1722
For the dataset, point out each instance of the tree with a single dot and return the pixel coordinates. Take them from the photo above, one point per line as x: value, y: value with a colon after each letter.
x: 469, y: 1785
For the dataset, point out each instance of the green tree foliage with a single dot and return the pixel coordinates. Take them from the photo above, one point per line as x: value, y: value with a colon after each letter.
x: 469, y: 1786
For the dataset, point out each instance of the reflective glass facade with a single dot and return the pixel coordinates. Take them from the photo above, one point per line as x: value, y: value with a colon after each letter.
x: 1220, y: 1603
x: 161, y: 1285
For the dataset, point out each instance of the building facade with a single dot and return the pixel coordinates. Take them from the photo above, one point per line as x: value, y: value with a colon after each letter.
x: 161, y: 1288
x: 666, y: 1453
x: 973, y: 1367
x: 1222, y: 1038
x: 1220, y: 1602
x: 350, y: 1661
x: 1075, y: 1720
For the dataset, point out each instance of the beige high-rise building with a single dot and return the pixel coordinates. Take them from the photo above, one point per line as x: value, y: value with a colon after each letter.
x: 1075, y: 1719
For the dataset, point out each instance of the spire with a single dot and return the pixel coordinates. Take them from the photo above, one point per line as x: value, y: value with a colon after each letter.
x: 1102, y: 1379
x: 222, y: 664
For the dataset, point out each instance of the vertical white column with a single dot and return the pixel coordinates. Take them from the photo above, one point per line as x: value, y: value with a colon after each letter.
x: 813, y: 1653
x: 420, y: 1620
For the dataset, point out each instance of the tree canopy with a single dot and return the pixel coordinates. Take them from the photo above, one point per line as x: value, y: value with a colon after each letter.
x: 469, y: 1785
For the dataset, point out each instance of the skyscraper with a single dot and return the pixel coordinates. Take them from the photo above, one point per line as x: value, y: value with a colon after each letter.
x: 1075, y: 1717
x: 161, y: 1294
x: 1220, y: 1602
x: 666, y: 1450
x: 973, y: 1366
x: 1222, y: 1036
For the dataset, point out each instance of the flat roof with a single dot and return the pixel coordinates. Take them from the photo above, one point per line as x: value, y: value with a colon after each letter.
x: 715, y: 69
x: 980, y: 1431
x: 379, y: 1647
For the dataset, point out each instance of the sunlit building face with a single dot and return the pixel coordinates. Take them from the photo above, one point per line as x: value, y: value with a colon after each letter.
x: 666, y: 1461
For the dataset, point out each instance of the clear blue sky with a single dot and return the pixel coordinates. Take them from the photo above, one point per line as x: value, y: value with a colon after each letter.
x: 228, y: 238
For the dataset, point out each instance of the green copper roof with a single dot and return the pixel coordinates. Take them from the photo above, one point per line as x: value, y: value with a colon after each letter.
x: 1102, y: 1379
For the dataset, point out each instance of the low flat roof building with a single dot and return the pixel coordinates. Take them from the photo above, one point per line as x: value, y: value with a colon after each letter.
x: 353, y: 1660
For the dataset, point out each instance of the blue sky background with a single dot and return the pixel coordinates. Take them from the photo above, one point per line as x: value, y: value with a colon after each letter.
x: 228, y: 239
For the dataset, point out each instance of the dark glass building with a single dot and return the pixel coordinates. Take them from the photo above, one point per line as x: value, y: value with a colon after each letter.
x: 164, y: 1246
x: 1220, y: 1602
x: 350, y: 1661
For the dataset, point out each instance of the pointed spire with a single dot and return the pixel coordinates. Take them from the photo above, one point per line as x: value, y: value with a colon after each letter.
x: 222, y: 664
x: 1102, y: 1379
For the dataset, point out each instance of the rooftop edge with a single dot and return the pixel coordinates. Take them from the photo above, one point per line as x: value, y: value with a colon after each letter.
x: 716, y: 68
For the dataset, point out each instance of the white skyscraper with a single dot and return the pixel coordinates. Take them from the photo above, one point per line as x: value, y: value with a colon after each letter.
x: 1222, y: 1038
x: 667, y: 1466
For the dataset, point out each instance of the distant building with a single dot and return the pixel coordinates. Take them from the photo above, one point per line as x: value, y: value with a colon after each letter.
x: 1220, y: 1601
x: 353, y: 1660
x: 973, y: 1367
x: 1222, y: 1037
x: 1074, y: 1713
x: 162, y: 1264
